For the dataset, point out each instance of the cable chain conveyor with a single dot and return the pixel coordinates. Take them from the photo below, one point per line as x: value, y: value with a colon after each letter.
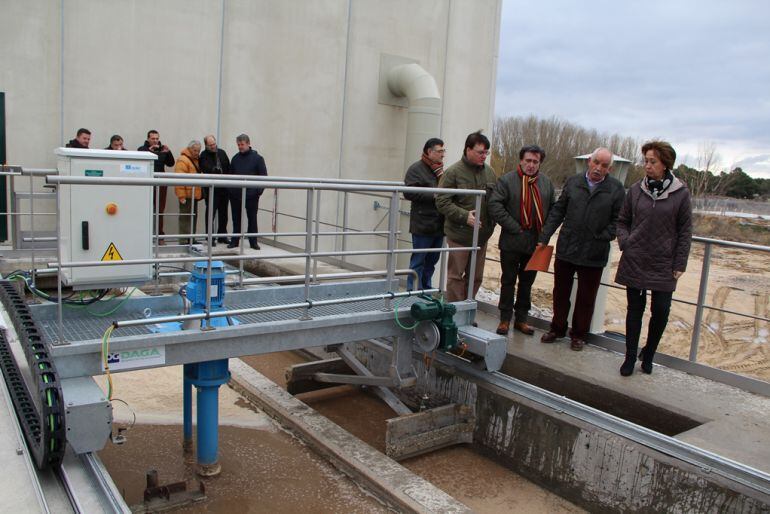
x: 44, y: 429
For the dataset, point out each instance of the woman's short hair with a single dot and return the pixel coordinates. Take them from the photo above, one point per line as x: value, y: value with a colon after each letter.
x: 663, y: 150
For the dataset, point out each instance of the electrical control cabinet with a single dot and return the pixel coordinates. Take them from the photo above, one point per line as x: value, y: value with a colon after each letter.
x: 105, y: 223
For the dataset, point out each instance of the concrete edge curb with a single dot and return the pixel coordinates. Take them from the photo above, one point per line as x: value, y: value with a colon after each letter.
x: 392, y: 482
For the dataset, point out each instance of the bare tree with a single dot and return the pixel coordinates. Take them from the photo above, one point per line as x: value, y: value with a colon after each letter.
x: 562, y: 141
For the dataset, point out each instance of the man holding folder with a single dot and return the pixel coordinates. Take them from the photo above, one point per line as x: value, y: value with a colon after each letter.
x: 520, y: 202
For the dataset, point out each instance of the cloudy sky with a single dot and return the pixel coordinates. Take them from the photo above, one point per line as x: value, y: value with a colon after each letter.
x: 686, y: 71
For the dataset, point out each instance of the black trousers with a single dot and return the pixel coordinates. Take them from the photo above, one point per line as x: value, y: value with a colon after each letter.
x: 252, y: 205
x: 220, y: 212
x: 513, y: 264
x: 659, y: 309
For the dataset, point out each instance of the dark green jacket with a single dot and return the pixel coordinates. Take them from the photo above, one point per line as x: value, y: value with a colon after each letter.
x: 455, y: 208
x: 504, y: 207
x: 590, y: 219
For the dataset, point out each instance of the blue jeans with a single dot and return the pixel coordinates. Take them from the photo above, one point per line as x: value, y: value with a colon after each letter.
x: 424, y: 263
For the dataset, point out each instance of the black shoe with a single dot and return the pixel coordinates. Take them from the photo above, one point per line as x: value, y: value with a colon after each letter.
x: 646, y: 360
x: 627, y: 369
x: 213, y: 243
x: 254, y: 246
x: 233, y: 244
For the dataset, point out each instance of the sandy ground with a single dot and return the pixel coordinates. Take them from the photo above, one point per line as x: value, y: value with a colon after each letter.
x: 739, y: 281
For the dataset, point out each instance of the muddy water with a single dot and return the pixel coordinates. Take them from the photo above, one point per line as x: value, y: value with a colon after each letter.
x: 483, y: 485
x: 261, y: 472
x: 264, y: 469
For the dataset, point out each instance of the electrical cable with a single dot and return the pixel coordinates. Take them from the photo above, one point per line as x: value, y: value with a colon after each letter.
x: 395, y: 312
x: 105, y: 355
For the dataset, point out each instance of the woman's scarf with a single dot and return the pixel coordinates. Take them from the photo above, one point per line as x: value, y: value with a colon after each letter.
x: 530, y: 195
x: 436, y: 167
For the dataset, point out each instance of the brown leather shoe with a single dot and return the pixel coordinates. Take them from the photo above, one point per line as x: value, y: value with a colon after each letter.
x: 522, y: 327
x: 550, y: 337
x: 577, y: 344
x: 503, y: 327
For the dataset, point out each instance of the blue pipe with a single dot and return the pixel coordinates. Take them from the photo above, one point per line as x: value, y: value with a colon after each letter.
x: 187, y: 405
x: 207, y: 377
x: 208, y: 425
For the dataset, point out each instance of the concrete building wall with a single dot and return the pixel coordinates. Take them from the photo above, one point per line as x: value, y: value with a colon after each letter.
x: 299, y: 77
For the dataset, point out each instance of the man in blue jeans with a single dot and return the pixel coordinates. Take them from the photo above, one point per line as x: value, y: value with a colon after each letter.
x: 426, y: 224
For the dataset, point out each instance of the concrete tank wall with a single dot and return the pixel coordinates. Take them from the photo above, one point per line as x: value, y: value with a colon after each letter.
x: 299, y: 77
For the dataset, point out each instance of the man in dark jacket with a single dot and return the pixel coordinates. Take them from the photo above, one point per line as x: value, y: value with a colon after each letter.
x: 245, y: 162
x: 459, y: 210
x: 213, y: 160
x: 165, y: 158
x: 82, y: 139
x: 425, y: 223
x: 520, y: 203
x: 589, y: 206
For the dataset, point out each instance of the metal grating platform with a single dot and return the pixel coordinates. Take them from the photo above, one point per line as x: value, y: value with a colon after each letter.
x: 80, y: 326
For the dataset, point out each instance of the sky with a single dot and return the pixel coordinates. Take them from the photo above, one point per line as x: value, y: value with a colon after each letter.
x: 689, y: 72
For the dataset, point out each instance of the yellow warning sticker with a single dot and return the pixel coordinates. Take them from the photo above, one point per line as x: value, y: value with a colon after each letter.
x: 112, y: 254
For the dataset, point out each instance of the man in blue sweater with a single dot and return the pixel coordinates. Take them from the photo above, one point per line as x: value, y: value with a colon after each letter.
x: 245, y: 162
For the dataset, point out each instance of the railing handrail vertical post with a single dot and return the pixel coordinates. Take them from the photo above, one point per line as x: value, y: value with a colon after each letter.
x: 392, y: 229
x: 156, y: 222
x: 344, y: 223
x: 702, y: 289
x: 316, y: 235
x: 59, y: 305
x: 209, y: 239
x: 244, y: 191
x: 475, y: 242
x: 193, y: 227
x: 308, y: 245
x: 275, y: 214
x: 32, y: 224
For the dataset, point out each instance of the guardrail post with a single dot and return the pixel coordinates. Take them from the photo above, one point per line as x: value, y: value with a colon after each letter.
x: 317, y: 233
x: 308, y: 244
x: 344, y: 224
x: 392, y: 228
x: 32, y: 224
x: 702, y: 288
x: 472, y: 269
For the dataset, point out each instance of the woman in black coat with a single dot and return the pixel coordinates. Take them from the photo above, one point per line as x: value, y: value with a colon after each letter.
x: 654, y: 232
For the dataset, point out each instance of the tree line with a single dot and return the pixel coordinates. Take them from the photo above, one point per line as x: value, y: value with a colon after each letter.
x: 563, y: 141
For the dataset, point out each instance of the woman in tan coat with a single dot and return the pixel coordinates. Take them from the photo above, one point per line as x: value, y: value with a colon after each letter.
x: 188, y: 195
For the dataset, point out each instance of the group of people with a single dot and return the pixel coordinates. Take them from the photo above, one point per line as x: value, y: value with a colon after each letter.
x: 652, y: 222
x: 208, y: 159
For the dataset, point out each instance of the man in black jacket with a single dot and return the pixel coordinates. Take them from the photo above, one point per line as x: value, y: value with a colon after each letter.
x: 213, y: 160
x: 82, y: 139
x: 425, y: 223
x: 589, y: 206
x: 245, y: 162
x: 520, y: 202
x: 165, y: 158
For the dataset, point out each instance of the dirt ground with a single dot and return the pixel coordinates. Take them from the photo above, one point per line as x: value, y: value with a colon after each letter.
x: 738, y: 280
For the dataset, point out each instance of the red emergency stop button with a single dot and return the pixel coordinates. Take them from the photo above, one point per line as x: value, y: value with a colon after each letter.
x: 111, y: 209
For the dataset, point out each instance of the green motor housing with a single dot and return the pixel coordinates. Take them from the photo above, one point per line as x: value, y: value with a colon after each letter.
x: 442, y: 314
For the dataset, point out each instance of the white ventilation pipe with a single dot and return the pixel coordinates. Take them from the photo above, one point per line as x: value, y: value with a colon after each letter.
x: 424, y: 121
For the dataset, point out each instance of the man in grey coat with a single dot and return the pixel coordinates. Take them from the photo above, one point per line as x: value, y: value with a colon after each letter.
x: 588, y: 206
x: 520, y: 202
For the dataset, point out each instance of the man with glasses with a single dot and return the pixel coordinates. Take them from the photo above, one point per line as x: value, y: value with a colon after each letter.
x: 587, y: 211
x: 470, y: 172
x: 426, y: 224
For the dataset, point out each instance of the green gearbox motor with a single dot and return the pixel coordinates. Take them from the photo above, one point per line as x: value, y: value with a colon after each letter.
x: 440, y: 313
